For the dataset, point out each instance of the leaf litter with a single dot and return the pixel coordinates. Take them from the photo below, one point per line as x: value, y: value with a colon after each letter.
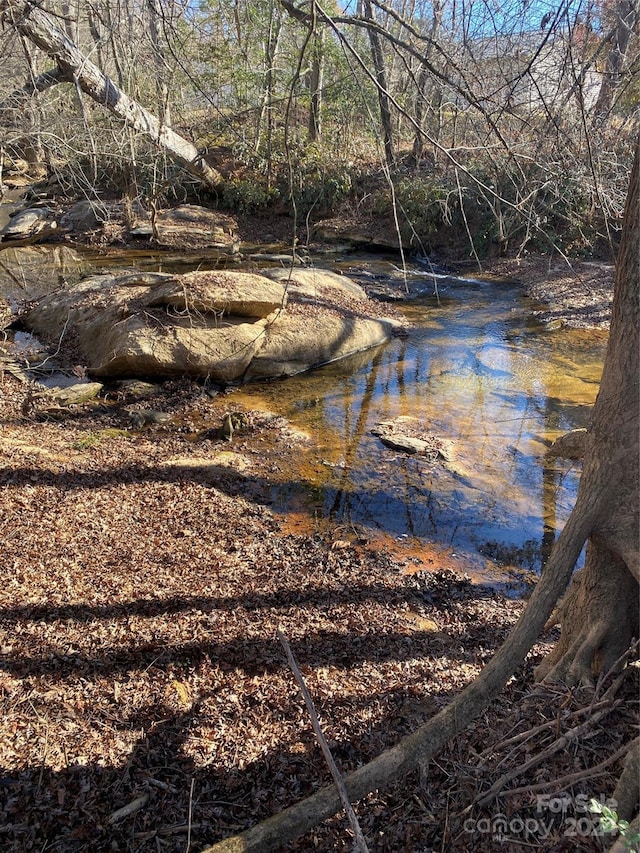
x: 146, y: 701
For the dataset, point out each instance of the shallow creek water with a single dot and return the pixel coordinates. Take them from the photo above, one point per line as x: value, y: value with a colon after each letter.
x: 475, y: 368
x: 478, y: 370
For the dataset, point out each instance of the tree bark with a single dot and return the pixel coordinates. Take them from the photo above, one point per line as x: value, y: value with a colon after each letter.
x: 316, y: 82
x: 627, y: 16
x: 160, y: 58
x: 377, y: 57
x: 599, y: 616
x: 40, y: 28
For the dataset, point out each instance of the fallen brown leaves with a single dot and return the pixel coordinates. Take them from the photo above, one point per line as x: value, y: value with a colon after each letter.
x: 146, y: 701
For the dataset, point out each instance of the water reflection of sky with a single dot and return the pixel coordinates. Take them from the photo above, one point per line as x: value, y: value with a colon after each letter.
x: 473, y: 369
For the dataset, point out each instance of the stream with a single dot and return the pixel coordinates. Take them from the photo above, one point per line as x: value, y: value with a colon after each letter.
x: 475, y: 368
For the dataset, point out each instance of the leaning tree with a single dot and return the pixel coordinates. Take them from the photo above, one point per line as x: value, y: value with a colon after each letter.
x: 73, y: 67
x: 599, y: 614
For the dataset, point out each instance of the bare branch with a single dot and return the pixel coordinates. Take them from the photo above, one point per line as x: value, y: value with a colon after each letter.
x: 39, y: 27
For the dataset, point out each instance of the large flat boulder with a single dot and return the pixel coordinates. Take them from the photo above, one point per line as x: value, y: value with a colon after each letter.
x: 295, y: 342
x: 188, y: 225
x: 224, y: 325
x: 317, y: 285
x: 373, y: 232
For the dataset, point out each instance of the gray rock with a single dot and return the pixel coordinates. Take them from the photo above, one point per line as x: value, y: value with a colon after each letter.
x: 397, y: 435
x: 34, y: 222
x: 83, y: 216
x: 75, y: 395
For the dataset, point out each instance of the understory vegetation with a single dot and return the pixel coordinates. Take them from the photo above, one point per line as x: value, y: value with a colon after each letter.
x: 503, y: 133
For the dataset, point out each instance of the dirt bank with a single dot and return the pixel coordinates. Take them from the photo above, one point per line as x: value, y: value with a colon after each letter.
x: 578, y: 294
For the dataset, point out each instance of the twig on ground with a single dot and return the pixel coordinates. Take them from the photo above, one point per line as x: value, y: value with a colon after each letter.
x: 361, y: 843
x: 130, y: 808
x: 188, y: 845
x: 541, y: 757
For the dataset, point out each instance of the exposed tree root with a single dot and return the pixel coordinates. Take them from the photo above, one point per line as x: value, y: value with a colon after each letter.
x: 627, y: 792
x: 599, y: 617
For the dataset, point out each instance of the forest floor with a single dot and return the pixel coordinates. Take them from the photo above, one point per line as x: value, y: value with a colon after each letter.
x: 146, y: 702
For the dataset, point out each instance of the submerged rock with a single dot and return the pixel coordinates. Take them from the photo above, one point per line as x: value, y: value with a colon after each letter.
x: 30, y: 272
x: 400, y: 434
x: 404, y: 434
x: 571, y: 445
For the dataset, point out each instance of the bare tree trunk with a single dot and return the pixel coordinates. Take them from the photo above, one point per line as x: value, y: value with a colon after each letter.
x: 419, y: 109
x: 40, y: 28
x: 68, y: 18
x: 599, y: 615
x: 155, y: 17
x: 377, y: 57
x: 316, y: 82
x: 426, y: 94
x: 35, y: 152
x: 627, y: 16
x: 271, y: 48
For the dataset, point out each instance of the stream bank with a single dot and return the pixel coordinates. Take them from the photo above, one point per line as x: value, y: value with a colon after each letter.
x: 146, y: 578
x: 470, y: 370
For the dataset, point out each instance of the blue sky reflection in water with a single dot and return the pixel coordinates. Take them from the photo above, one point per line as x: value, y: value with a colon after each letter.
x: 475, y: 369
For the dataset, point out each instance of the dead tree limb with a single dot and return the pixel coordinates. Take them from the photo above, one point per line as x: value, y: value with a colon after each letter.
x: 41, y: 29
x: 361, y: 843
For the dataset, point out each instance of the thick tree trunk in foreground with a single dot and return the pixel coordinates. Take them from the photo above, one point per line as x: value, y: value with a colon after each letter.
x: 606, y: 509
x: 599, y: 615
x: 40, y: 28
